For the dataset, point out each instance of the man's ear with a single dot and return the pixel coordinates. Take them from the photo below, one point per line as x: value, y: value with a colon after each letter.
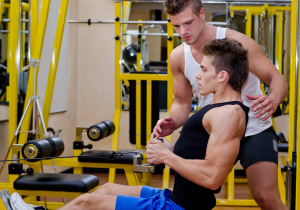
x: 223, y: 76
x: 202, y: 14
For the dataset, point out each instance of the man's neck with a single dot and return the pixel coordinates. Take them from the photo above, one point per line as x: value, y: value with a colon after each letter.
x: 226, y: 94
x: 208, y: 34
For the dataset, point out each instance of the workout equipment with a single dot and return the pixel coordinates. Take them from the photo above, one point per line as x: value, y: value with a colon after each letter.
x: 91, y: 155
x: 145, y: 108
x: 138, y: 166
x: 46, y: 184
x: 148, y: 168
x: 290, y: 170
x: 14, y: 63
x: 48, y: 147
x: 34, y: 99
x: 101, y: 158
x: 129, y: 54
x: 100, y: 130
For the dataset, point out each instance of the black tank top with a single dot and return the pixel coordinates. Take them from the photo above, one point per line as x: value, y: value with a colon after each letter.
x: 192, y: 144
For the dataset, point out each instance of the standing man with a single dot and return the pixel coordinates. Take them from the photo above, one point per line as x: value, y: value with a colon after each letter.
x: 258, y: 154
x: 206, y: 150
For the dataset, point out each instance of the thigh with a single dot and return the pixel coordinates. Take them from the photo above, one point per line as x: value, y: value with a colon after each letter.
x: 118, y: 189
x: 261, y: 147
x: 263, y: 179
x: 92, y: 202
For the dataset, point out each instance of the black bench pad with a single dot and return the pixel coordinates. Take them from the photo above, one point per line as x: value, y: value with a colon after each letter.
x: 102, y: 156
x: 57, y: 182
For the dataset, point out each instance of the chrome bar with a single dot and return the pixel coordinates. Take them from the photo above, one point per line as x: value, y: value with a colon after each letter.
x: 5, y: 20
x: 148, y: 34
x: 93, y: 21
x: 136, y: 22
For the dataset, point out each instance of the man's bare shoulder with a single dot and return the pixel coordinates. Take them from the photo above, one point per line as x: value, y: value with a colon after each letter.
x: 178, y: 52
x: 231, y: 114
x: 242, y: 38
x: 227, y: 121
x: 229, y: 110
x: 177, y: 59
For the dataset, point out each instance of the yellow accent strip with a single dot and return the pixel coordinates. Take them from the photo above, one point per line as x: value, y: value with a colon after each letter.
x: 54, y: 61
x: 115, y: 137
x: 36, y: 53
x: 34, y: 17
x: 292, y: 85
x: 13, y: 70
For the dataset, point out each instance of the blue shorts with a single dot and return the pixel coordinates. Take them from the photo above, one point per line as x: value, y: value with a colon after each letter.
x: 150, y: 199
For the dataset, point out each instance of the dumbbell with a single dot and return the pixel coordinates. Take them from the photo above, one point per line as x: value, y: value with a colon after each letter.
x: 100, y: 130
x: 43, y: 148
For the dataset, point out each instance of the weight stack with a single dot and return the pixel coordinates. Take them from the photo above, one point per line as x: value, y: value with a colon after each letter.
x: 132, y: 107
x: 291, y: 186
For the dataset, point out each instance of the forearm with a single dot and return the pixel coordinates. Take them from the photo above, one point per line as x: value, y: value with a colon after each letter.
x: 180, y: 112
x: 201, y: 172
x: 278, y: 89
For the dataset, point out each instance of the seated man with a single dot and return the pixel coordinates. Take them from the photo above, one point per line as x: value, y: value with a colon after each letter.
x: 206, y: 150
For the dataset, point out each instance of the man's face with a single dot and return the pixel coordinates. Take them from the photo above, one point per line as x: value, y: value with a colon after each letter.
x: 207, y: 76
x: 188, y: 25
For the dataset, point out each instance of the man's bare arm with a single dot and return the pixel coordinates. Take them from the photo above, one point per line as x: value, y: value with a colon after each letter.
x: 222, y: 150
x: 182, y: 89
x: 264, y: 69
x: 182, y: 101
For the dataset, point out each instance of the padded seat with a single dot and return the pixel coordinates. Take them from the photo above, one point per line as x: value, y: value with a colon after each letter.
x: 102, y: 156
x: 57, y: 182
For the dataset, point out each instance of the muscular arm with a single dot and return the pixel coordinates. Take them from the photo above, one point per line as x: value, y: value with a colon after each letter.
x: 182, y: 89
x: 182, y: 101
x: 222, y: 149
x: 262, y: 67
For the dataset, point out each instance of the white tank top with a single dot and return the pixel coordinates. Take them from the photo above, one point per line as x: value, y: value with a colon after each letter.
x: 252, y: 87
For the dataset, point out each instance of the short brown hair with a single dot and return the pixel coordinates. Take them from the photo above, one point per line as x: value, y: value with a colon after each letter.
x: 174, y: 7
x: 231, y: 56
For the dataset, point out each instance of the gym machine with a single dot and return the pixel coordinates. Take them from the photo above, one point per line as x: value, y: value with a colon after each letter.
x: 27, y: 182
x: 117, y: 159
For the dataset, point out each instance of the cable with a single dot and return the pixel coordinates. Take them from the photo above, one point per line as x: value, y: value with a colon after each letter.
x: 111, y: 156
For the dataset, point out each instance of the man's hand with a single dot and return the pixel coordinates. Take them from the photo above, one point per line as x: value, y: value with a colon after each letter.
x: 264, y: 104
x: 156, y: 151
x: 164, y: 127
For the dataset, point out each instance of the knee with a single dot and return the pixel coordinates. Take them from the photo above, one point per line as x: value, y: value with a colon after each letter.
x: 265, y: 201
x: 82, y: 200
x: 105, y: 188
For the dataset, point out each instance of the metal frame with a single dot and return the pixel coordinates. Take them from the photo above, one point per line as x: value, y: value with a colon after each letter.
x: 119, y: 76
x: 132, y: 178
x: 36, y: 53
x: 32, y: 199
x: 37, y: 32
x: 54, y: 59
x: 13, y: 70
x: 294, y: 94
